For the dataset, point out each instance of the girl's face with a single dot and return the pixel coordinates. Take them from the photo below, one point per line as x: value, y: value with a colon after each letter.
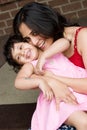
x: 23, y: 52
x: 35, y: 39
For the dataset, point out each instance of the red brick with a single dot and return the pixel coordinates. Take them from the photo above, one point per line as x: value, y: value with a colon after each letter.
x: 13, y: 12
x: 22, y: 3
x: 9, y: 30
x: 82, y: 13
x: 1, y: 32
x: 71, y: 16
x: 2, y: 24
x: 9, y: 22
x: 5, y: 1
x: 57, y: 2
x: 4, y: 16
x: 74, y: 0
x: 8, y: 7
x: 85, y: 3
x: 72, y: 7
x: 57, y: 9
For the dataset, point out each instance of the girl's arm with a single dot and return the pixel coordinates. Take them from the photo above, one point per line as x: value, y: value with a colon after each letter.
x: 26, y: 79
x: 58, y: 46
x: 23, y: 79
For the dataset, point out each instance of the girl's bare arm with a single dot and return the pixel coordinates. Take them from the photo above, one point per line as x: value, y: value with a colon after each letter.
x: 23, y: 79
x: 26, y: 79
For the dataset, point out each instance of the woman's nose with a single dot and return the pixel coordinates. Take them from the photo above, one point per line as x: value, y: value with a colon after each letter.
x: 34, y: 41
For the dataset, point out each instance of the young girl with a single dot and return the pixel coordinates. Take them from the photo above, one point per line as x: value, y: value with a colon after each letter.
x: 46, y: 116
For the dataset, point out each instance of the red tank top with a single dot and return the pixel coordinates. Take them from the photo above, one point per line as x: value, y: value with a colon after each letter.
x: 76, y: 58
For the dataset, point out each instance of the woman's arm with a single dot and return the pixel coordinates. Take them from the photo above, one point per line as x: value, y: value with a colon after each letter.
x: 77, y: 84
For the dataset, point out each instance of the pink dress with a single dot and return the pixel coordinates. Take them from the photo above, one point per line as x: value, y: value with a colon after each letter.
x: 46, y: 117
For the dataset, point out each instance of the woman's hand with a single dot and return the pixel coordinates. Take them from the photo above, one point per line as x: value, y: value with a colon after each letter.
x: 61, y: 92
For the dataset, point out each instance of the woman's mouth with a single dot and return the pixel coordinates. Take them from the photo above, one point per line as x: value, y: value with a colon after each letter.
x: 41, y: 45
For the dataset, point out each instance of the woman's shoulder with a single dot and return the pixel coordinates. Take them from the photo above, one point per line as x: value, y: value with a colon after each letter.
x: 82, y: 40
x: 82, y: 35
x: 82, y: 31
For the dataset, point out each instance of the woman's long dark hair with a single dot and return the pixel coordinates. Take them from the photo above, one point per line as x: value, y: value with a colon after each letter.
x: 42, y: 19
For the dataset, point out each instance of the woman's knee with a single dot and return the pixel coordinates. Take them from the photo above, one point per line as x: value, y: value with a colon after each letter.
x: 78, y: 119
x: 83, y: 122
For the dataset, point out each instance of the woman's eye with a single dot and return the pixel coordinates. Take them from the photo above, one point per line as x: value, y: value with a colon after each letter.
x: 34, y: 33
x: 26, y: 39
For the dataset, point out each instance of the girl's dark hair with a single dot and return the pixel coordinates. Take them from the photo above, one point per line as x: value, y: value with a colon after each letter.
x: 8, y: 51
x: 42, y: 19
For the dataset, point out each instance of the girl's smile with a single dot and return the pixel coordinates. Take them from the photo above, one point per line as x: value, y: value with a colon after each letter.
x: 23, y: 52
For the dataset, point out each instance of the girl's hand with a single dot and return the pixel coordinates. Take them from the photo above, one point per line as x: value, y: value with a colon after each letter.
x: 46, y: 89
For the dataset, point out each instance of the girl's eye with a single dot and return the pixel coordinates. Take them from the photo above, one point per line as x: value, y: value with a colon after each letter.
x: 18, y: 58
x: 21, y: 47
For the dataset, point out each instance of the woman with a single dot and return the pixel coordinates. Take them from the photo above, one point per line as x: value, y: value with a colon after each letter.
x: 37, y: 22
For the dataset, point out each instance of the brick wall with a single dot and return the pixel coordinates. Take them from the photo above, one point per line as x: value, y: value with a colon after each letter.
x: 72, y: 9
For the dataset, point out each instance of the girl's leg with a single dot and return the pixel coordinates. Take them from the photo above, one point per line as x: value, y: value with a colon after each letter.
x: 78, y: 119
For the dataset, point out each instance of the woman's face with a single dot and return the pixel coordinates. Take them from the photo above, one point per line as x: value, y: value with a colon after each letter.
x: 35, y: 39
x: 23, y: 52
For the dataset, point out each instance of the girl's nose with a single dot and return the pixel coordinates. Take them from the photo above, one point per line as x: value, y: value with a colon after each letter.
x: 22, y: 52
